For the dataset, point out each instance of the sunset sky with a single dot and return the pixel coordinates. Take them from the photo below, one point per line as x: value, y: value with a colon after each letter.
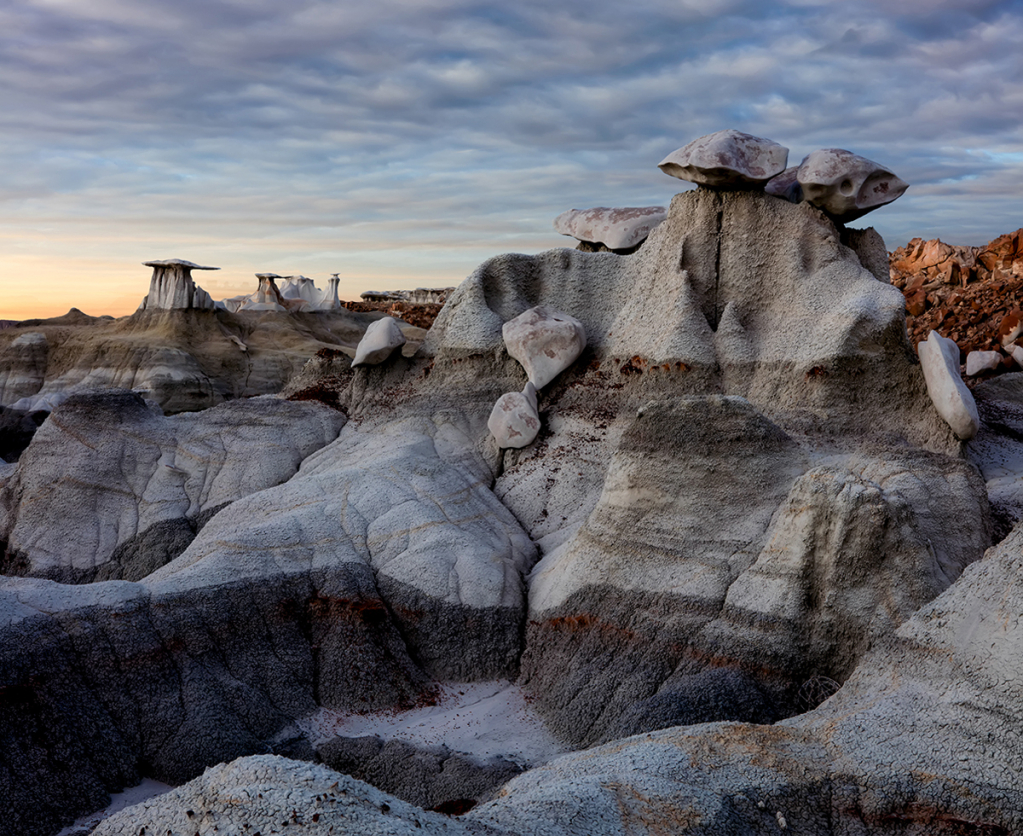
x: 401, y: 143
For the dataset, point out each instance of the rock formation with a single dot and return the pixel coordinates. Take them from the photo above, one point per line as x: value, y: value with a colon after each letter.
x: 618, y: 230
x: 846, y: 185
x: 745, y: 511
x: 939, y: 360
x: 727, y: 160
x: 172, y: 287
x: 514, y: 421
x: 381, y: 340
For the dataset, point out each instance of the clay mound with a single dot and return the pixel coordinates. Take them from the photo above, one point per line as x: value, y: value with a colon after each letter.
x: 182, y: 359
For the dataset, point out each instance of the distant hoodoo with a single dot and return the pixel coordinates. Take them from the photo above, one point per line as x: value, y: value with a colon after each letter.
x: 172, y: 287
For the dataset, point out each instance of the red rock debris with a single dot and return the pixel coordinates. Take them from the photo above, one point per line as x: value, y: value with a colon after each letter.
x: 968, y: 294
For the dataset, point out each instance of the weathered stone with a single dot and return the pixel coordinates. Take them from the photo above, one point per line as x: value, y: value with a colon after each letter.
x: 617, y: 229
x: 786, y: 185
x: 939, y: 360
x: 727, y: 160
x: 846, y: 185
x: 172, y: 287
x: 545, y: 342
x: 380, y: 341
x: 515, y: 421
x: 978, y: 362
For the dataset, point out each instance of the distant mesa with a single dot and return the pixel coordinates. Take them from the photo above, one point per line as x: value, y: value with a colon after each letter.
x: 419, y: 296
x: 172, y: 287
x: 621, y: 230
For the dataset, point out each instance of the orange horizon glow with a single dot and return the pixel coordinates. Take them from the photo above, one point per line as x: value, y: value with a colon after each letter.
x: 100, y: 288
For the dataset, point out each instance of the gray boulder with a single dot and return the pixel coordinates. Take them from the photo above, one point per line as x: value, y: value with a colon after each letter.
x: 846, y: 185
x: 617, y: 229
x: 727, y: 160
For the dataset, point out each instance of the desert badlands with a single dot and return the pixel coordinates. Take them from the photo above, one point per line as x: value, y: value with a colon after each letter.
x: 676, y: 532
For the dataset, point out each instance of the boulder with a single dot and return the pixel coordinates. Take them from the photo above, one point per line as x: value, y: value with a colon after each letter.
x: 545, y: 342
x: 846, y: 185
x: 381, y: 340
x: 617, y: 229
x: 172, y: 287
x: 786, y: 185
x: 939, y: 360
x: 515, y: 421
x: 978, y: 362
x: 727, y: 160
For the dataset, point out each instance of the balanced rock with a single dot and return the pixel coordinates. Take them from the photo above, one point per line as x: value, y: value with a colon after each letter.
x: 515, y: 420
x: 379, y: 342
x: 727, y: 160
x: 978, y: 362
x: 786, y: 185
x: 545, y: 342
x: 617, y: 229
x: 939, y: 359
x: 172, y: 287
x: 846, y: 185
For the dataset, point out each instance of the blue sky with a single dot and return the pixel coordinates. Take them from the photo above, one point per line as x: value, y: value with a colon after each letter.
x: 400, y: 144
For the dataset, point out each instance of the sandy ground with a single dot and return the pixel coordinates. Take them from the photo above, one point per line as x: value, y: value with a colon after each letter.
x: 118, y: 801
x: 478, y: 718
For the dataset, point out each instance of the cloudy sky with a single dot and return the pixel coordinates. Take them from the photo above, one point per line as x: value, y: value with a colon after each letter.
x: 401, y: 142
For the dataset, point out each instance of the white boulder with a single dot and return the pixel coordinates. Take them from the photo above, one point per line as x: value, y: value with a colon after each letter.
x: 379, y: 342
x: 846, y: 185
x: 515, y: 421
x: 978, y: 362
x: 939, y: 359
x: 727, y: 160
x: 617, y: 229
x: 545, y: 342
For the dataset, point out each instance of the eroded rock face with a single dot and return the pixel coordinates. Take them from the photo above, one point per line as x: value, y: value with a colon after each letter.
x: 111, y: 489
x: 727, y: 160
x: 23, y: 367
x: 617, y: 229
x: 846, y: 185
x: 381, y: 340
x: 172, y: 287
x: 545, y: 342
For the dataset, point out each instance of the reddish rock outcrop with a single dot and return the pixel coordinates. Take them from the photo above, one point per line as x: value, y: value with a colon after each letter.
x: 968, y: 294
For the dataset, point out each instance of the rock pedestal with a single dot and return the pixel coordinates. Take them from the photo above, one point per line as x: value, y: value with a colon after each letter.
x: 172, y: 287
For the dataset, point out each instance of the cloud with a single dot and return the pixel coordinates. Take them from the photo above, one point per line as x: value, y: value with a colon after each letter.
x: 466, y: 126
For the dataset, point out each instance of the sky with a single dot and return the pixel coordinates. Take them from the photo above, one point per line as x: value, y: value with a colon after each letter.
x: 400, y: 143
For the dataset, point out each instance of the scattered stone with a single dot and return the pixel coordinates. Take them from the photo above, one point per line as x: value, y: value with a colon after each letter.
x: 846, y: 185
x: 545, y: 342
x: 939, y: 359
x: 978, y: 362
x: 172, y: 287
x: 514, y: 421
x: 617, y: 229
x: 379, y: 342
x: 727, y: 160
